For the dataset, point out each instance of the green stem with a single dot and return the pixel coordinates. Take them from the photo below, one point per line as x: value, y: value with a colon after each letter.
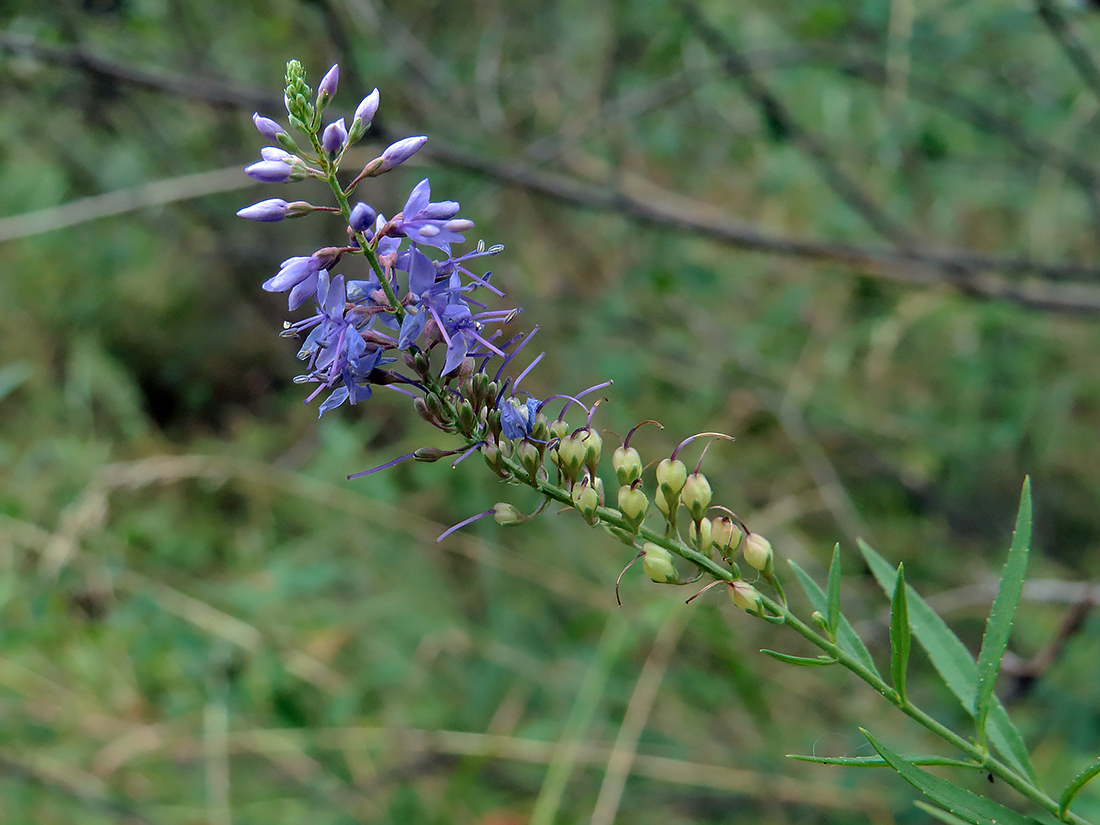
x: 979, y: 755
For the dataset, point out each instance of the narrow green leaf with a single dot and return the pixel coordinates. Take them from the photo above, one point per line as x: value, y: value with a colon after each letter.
x: 939, y: 813
x: 1082, y: 779
x: 879, y: 762
x: 899, y: 634
x: 962, y: 803
x: 801, y: 661
x: 999, y: 626
x: 832, y: 616
x: 847, y: 638
x: 954, y: 664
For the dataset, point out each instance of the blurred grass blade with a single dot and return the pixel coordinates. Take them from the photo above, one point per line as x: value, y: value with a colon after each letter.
x: 899, y: 635
x: 879, y: 762
x: 800, y: 661
x: 939, y: 813
x: 953, y: 662
x: 847, y: 638
x: 12, y: 375
x: 1003, y: 613
x: 960, y: 802
x: 833, y: 592
x: 1072, y: 789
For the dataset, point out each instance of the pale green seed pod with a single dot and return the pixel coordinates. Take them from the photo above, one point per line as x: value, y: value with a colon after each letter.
x: 586, y: 499
x: 746, y: 597
x: 672, y: 473
x: 571, y: 453
x: 696, y: 495
x: 657, y: 563
x: 529, y: 457
x: 627, y: 464
x: 559, y: 428
x: 505, y: 514
x: 758, y: 552
x: 726, y: 535
x: 701, y: 535
x: 633, y: 504
x: 593, y: 448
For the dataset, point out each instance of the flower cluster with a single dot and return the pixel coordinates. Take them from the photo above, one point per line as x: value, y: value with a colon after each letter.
x: 411, y: 323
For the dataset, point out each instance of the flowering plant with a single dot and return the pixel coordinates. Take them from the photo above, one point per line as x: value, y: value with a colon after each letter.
x: 414, y: 306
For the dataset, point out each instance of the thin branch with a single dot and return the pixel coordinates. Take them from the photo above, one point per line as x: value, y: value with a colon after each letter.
x: 87, y: 789
x: 780, y: 118
x: 190, y: 86
x: 912, y: 266
x: 1075, y: 50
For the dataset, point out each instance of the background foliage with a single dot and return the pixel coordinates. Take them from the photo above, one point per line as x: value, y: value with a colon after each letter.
x: 860, y: 237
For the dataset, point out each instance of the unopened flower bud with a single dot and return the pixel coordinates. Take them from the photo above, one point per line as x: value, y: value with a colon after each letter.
x: 268, y: 211
x: 633, y: 504
x: 362, y: 217
x: 326, y: 89
x: 396, y: 154
x: 334, y: 137
x: 267, y: 127
x: 429, y: 455
x: 657, y: 563
x: 269, y: 171
x: 422, y: 410
x: 758, y: 552
x: 466, y: 418
x: 819, y: 620
x: 506, y: 515
x: 364, y: 114
x: 627, y: 464
x: 696, y: 495
x: 466, y: 369
x: 746, y: 597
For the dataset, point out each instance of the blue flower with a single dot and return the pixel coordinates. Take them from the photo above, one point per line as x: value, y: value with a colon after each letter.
x: 432, y: 224
x: 517, y: 418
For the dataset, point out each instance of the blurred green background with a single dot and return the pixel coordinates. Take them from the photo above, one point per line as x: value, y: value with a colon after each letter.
x: 861, y: 237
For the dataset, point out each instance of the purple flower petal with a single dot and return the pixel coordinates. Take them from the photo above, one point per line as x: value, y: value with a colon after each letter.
x: 367, y: 108
x: 267, y: 127
x: 269, y: 171
x: 267, y: 211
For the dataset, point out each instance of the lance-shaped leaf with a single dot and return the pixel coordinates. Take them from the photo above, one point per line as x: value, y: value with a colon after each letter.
x: 1072, y: 789
x: 899, y: 635
x: 968, y: 806
x: 846, y: 638
x: 999, y: 626
x: 953, y: 662
x: 943, y: 816
x: 800, y: 661
x: 832, y: 592
x: 879, y: 762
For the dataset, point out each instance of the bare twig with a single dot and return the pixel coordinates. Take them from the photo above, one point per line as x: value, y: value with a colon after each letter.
x: 85, y: 788
x: 907, y: 265
x: 1075, y: 50
x: 780, y: 119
